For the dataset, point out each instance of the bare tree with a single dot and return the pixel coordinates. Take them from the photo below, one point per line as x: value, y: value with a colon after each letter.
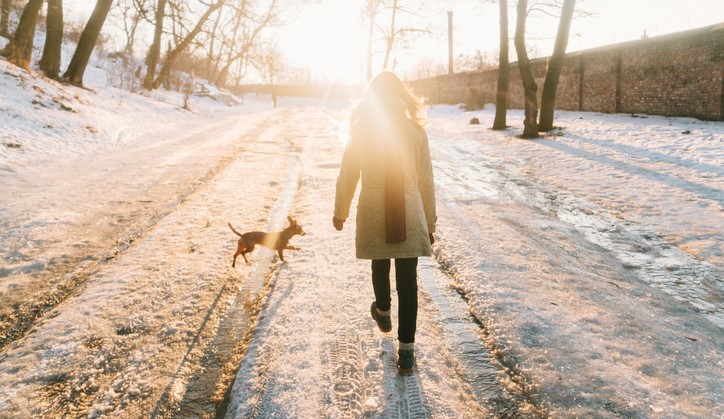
x: 269, y: 62
x: 50, y: 61
x: 217, y: 44
x: 371, y: 9
x: 243, y: 37
x: 131, y: 13
x: 79, y: 62
x: 426, y: 67
x: 173, y: 54
x: 395, y: 34
x: 5, y: 18
x: 550, y: 86
x: 211, y: 52
x: 390, y: 34
x: 501, y: 96
x: 154, y: 52
x: 472, y: 62
x: 20, y: 48
x: 384, y: 18
x: 530, y: 122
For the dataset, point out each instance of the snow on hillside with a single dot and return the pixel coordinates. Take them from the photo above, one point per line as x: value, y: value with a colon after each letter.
x: 44, y: 119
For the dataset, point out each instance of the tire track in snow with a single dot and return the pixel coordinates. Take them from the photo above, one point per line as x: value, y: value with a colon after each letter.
x: 73, y: 271
x: 383, y: 392
x: 646, y: 253
x: 317, y: 349
x: 345, y: 359
x: 270, y: 364
x: 354, y: 344
x: 139, y: 311
x: 207, y: 393
x: 466, y: 334
x: 261, y: 386
x: 556, y: 291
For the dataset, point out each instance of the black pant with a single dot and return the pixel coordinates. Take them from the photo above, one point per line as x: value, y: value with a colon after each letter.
x: 406, y: 281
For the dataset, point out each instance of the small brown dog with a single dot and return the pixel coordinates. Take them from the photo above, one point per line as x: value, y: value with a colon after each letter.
x: 276, y: 241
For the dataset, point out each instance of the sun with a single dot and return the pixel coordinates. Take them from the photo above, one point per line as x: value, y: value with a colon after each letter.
x: 329, y: 40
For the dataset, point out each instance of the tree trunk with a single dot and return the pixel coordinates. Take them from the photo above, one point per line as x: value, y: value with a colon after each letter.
x: 213, y: 66
x: 530, y: 123
x: 501, y: 100
x: 391, y: 37
x: 173, y: 55
x: 370, y: 34
x: 79, y: 62
x: 5, y: 18
x: 242, y: 46
x: 550, y: 86
x: 231, y: 49
x: 155, y: 51
x: 20, y: 48
x: 131, y: 36
x: 371, y: 9
x: 222, y: 77
x: 50, y: 62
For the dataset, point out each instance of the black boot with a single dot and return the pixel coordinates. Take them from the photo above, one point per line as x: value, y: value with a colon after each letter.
x: 383, y: 322
x: 405, y: 358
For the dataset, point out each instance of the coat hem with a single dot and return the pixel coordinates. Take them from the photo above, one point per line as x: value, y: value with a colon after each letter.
x: 393, y: 256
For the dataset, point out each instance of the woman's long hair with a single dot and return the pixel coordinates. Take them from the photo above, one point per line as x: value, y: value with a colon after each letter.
x: 388, y: 84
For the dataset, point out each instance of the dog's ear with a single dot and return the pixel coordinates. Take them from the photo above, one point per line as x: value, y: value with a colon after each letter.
x: 291, y: 220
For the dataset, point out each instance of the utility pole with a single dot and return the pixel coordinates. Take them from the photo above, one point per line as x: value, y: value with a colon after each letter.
x: 449, y: 43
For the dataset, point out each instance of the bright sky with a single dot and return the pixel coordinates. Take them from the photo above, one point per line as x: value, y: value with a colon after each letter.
x: 329, y: 37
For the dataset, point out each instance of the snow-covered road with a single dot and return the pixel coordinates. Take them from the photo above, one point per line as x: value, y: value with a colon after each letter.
x: 124, y: 204
x: 578, y: 275
x: 61, y: 220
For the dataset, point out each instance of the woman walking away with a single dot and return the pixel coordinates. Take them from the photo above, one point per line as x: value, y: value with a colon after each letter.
x: 396, y: 213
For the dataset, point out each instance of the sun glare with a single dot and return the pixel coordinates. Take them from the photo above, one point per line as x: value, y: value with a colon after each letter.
x: 329, y: 40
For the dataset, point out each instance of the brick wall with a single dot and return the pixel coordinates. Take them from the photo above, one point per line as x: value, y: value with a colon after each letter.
x: 679, y: 74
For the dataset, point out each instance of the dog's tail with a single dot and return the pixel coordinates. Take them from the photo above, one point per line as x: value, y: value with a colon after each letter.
x: 235, y: 232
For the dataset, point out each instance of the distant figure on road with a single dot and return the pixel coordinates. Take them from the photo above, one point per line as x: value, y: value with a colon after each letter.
x: 274, y: 100
x: 396, y: 214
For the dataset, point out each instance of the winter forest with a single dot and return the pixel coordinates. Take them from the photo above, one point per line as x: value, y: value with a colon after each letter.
x: 577, y: 258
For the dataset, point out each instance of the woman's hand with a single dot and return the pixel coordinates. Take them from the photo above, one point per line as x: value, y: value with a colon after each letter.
x: 338, y: 224
x: 432, y: 239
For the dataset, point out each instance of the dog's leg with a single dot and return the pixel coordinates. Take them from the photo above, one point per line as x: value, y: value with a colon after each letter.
x: 248, y: 249
x: 240, y: 248
x: 293, y: 248
x: 281, y: 254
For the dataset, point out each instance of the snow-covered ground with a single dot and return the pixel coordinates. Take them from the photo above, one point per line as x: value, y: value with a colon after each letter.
x: 576, y: 275
x: 592, y: 256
